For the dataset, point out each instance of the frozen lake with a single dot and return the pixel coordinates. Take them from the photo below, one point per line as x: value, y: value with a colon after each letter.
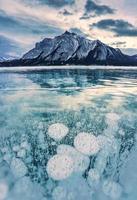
x: 68, y: 134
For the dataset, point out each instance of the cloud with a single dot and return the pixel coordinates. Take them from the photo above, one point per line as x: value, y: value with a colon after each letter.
x: 78, y: 31
x: 129, y: 51
x: 24, y: 32
x: 118, y: 44
x: 93, y: 9
x: 27, y: 26
x: 54, y: 3
x: 119, y: 27
x: 9, y: 47
x: 65, y: 12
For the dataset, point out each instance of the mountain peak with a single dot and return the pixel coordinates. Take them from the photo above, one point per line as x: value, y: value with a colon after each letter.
x: 66, y: 33
x: 69, y: 33
x: 70, y: 48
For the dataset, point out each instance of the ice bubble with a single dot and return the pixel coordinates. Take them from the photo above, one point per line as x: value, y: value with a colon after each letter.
x: 21, y: 153
x: 59, y: 193
x: 86, y: 143
x: 41, y: 137
x: 102, y: 140
x: 18, y: 168
x: 108, y: 142
x: 93, y: 177
x: 60, y: 167
x: 71, y: 196
x: 81, y: 162
x: 57, y: 131
x: 112, y: 189
x: 77, y: 188
x: 4, y: 150
x: 121, y: 132
x: 24, y: 189
x: 112, y: 117
x: 3, y: 190
x: 50, y: 185
x: 7, y: 157
x: 23, y: 185
x: 16, y: 148
x: 25, y: 145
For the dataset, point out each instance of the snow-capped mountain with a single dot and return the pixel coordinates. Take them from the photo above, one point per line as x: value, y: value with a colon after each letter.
x: 2, y: 58
x: 5, y: 58
x: 70, y: 48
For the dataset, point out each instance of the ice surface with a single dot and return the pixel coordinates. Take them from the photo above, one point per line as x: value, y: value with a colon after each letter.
x: 99, y: 165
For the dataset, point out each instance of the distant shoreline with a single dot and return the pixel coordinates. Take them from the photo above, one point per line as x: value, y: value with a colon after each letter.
x: 43, y: 68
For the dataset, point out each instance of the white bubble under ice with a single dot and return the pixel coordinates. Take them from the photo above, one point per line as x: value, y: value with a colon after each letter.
x: 86, y: 143
x: 21, y: 153
x: 112, y: 189
x: 18, y: 168
x: 60, y: 167
x: 93, y: 178
x: 112, y: 118
x: 3, y: 190
x: 57, y: 131
x: 24, y: 189
x: 76, y: 187
x: 81, y: 162
x: 59, y: 193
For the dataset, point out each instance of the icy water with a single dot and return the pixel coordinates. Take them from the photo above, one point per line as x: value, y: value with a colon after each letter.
x: 68, y: 135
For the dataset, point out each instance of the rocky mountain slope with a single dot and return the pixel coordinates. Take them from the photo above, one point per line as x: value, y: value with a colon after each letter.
x: 72, y: 49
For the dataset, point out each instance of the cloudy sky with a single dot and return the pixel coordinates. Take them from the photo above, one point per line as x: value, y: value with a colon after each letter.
x: 25, y: 22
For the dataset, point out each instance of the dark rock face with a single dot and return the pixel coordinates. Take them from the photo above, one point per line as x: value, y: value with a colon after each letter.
x: 72, y: 49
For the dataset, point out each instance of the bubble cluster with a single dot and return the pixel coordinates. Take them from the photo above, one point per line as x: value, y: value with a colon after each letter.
x: 57, y: 131
x: 86, y: 143
x: 81, y: 162
x: 60, y: 167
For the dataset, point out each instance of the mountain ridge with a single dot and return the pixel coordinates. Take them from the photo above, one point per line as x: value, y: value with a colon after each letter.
x: 72, y: 49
